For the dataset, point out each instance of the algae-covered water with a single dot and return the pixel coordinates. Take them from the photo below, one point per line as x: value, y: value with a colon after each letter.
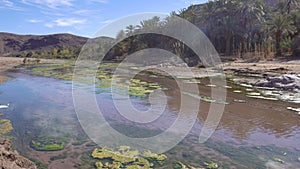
x: 253, y: 132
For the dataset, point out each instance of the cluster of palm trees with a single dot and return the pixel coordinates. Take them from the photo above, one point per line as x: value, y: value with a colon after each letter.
x: 247, y: 25
x: 235, y: 27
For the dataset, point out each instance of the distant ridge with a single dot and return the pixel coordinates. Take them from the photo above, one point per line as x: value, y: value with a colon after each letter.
x: 13, y: 43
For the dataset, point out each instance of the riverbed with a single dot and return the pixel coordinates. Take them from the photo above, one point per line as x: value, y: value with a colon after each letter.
x: 253, y: 132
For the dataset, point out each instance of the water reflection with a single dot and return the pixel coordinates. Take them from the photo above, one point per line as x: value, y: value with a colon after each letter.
x: 45, y: 104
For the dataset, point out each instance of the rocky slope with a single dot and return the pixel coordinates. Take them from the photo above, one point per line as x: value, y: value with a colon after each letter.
x: 10, y: 159
x: 12, y: 43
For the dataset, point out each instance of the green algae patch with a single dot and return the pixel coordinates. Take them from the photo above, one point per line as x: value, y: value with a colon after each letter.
x: 59, y: 71
x: 278, y: 160
x: 5, y: 126
x: 180, y: 165
x: 48, y: 143
x: 135, y: 87
x: 141, y: 88
x: 211, y: 165
x: 104, y: 78
x: 124, y: 157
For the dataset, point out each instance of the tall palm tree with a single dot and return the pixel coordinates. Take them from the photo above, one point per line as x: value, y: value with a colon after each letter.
x: 250, y: 13
x: 150, y: 24
x: 279, y: 25
x: 286, y: 6
x: 227, y: 28
x: 130, y: 30
x: 207, y: 17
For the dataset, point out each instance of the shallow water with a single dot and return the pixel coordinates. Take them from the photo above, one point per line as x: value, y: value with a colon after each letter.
x: 253, y: 133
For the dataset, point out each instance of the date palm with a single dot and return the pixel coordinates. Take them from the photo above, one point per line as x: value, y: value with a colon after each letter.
x: 279, y: 25
x: 250, y: 13
x: 130, y: 30
x: 286, y: 6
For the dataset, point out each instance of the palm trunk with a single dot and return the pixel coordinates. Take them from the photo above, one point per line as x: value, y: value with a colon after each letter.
x: 228, y: 39
x: 277, y: 45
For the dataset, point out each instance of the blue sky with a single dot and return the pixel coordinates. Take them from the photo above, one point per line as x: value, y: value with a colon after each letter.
x: 80, y: 17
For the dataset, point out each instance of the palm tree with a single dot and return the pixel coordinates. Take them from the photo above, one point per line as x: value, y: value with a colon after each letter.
x: 130, y: 30
x: 207, y: 17
x: 286, y: 6
x: 150, y: 24
x: 227, y: 28
x: 121, y: 34
x: 250, y: 13
x: 279, y: 25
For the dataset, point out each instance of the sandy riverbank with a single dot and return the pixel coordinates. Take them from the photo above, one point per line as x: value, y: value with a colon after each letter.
x: 269, y: 68
x: 9, y: 62
x: 276, y: 67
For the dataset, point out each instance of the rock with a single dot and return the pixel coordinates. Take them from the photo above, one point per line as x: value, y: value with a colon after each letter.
x: 10, y: 159
x: 284, y: 82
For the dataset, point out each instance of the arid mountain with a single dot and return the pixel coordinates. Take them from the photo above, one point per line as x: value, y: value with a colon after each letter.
x: 12, y: 43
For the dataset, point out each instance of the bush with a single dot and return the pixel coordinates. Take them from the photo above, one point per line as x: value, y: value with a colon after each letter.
x: 296, y: 47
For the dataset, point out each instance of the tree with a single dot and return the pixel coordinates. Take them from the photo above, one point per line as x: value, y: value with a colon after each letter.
x: 227, y: 28
x: 249, y: 15
x: 130, y: 30
x: 121, y: 35
x: 286, y: 6
x: 150, y: 24
x: 55, y: 52
x: 207, y: 17
x: 279, y: 25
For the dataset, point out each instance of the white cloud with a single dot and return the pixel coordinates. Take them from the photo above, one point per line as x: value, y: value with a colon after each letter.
x: 49, y: 3
x: 49, y: 25
x: 107, y: 21
x: 9, y: 5
x: 69, y: 22
x: 189, y: 2
x: 83, y: 11
x: 34, y: 21
x: 99, y: 1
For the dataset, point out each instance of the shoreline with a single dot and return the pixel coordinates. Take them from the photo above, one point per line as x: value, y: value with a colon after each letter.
x: 270, y: 68
x: 7, y: 63
x: 11, y: 158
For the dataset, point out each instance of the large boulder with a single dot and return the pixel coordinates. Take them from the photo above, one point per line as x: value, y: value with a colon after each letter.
x: 284, y: 82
